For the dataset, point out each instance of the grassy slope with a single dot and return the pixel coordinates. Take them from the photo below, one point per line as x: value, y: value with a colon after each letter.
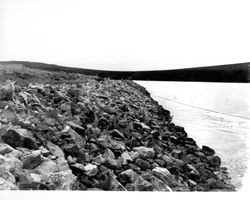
x: 223, y: 73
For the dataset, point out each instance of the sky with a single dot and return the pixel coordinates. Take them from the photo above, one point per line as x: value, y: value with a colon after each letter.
x: 125, y: 35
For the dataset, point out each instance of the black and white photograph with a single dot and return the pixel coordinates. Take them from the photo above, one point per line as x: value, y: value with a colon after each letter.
x: 105, y: 98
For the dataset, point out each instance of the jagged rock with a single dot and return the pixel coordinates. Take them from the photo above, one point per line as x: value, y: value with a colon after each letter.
x: 109, y: 154
x: 144, y: 165
x: 159, y: 185
x: 133, y: 155
x: 99, y: 159
x: 145, y: 151
x: 45, y: 152
x: 133, y: 179
x: 190, y: 141
x: 164, y: 175
x: 140, y: 125
x: 18, y: 137
x: 191, y: 172
x: 77, y: 167
x: 207, y: 151
x: 73, y: 150
x: 205, y: 173
x: 76, y: 138
x: 116, y: 185
x: 160, y: 162
x: 54, y: 149
x: 108, y: 158
x: 215, y: 184
x: 33, y: 160
x: 27, y: 177
x: 38, y: 87
x: 103, y: 123
x: 176, y: 153
x: 63, y: 180
x: 71, y: 160
x: 80, y: 130
x: 5, y: 148
x: 126, y: 157
x: 117, y: 134
x: 191, y: 169
x: 171, y: 161
x: 7, y: 176
x: 214, y: 161
x: 8, y: 114
x: 46, y: 168
x: 92, y: 131
x: 136, y: 135
x: 73, y: 92
x: 133, y: 143
x: 14, y: 154
x: 5, y: 185
x: 90, y: 169
x: 107, y: 142
x: 13, y: 165
x: 159, y: 171
x: 191, y: 183
x: 7, y: 91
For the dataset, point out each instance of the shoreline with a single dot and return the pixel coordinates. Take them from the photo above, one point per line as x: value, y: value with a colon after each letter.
x: 99, y: 135
x: 225, y: 134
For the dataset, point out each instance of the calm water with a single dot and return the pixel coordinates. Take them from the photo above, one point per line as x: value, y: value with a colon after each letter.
x: 214, y: 114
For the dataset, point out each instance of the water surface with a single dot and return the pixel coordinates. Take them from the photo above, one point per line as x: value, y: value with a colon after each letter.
x: 214, y: 114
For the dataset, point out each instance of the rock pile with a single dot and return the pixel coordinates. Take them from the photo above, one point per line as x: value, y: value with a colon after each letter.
x: 98, y: 135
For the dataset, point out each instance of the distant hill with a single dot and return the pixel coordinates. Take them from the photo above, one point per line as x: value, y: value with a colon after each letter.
x: 222, y: 73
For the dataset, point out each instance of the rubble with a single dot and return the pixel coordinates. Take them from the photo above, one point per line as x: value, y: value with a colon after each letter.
x: 98, y: 135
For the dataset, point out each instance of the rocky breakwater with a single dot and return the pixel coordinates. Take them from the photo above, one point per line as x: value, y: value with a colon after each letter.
x: 98, y: 135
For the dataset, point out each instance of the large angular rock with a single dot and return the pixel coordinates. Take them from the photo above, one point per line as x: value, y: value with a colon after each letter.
x: 145, y: 151
x: 63, y: 180
x: 207, y: 151
x: 13, y: 165
x: 126, y: 157
x: 116, y: 185
x: 144, y: 165
x: 159, y: 171
x: 46, y: 168
x: 14, y: 154
x: 8, y: 114
x: 5, y: 185
x: 107, y: 142
x: 214, y: 161
x: 32, y: 160
x: 76, y: 138
x: 117, y: 134
x: 27, y: 177
x: 164, y: 175
x: 170, y: 161
x: 7, y: 91
x: 159, y: 185
x: 90, y: 170
x: 54, y: 149
x: 5, y: 148
x: 80, y: 130
x: 131, y: 177
x: 108, y: 159
x: 7, y: 176
x: 18, y: 137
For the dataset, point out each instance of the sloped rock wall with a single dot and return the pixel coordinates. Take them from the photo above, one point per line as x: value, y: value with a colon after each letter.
x: 105, y: 135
